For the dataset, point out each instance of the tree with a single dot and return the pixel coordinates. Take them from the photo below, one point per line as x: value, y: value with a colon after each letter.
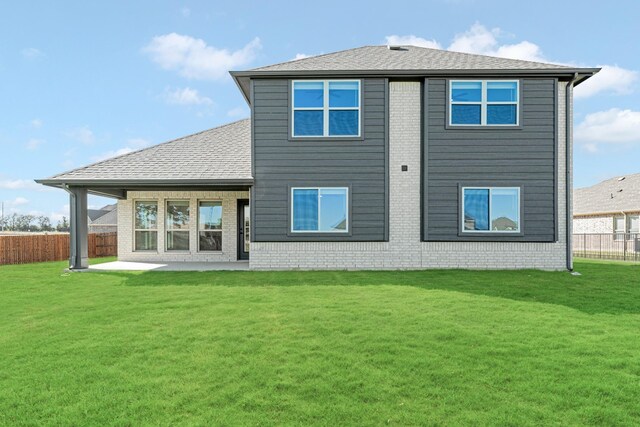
x: 63, y: 225
x: 44, y: 223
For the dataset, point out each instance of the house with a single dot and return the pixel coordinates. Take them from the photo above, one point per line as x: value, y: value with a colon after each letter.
x: 379, y: 157
x: 611, y: 206
x: 103, y: 220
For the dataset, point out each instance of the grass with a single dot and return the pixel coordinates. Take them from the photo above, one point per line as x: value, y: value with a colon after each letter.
x: 323, y: 348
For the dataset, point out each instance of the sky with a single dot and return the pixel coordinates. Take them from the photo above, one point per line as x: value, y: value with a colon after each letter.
x: 84, y: 81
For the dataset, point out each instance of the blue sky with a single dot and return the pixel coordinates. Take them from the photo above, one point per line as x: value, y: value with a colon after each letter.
x: 86, y: 80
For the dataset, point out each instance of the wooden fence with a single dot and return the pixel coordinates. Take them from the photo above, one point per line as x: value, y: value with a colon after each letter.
x: 27, y: 248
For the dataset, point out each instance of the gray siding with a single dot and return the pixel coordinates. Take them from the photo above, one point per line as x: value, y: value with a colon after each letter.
x: 279, y: 163
x: 524, y: 156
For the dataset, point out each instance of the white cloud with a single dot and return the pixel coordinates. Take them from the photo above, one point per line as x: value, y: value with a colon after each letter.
x: 412, y: 40
x: 112, y: 153
x: 34, y: 143
x: 193, y: 58
x: 31, y: 53
x: 18, y: 201
x: 56, y: 216
x: 300, y: 56
x: 480, y: 40
x: 132, y: 145
x: 138, y: 143
x: 238, y: 112
x: 36, y: 123
x: 19, y: 184
x: 611, y: 79
x: 83, y: 135
x: 185, y: 96
x: 611, y: 126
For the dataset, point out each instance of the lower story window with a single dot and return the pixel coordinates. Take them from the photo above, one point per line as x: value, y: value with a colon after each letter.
x: 210, y: 226
x: 618, y: 228
x: 323, y: 210
x: 491, y: 209
x: 177, y: 225
x: 146, y: 226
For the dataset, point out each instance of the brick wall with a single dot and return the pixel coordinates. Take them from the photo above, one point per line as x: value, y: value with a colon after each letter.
x: 593, y: 224
x: 229, y: 222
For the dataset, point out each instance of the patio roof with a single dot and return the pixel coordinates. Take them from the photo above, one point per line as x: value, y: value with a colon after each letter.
x: 218, y: 157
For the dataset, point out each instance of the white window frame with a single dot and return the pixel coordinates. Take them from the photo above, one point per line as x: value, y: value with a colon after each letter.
x: 484, y: 103
x: 198, y: 230
x: 135, y: 229
x: 628, y: 225
x: 346, y: 230
x: 490, y: 231
x: 619, y: 235
x: 325, y: 108
x: 167, y: 229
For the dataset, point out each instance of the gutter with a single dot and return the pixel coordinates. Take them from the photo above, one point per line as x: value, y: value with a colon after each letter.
x: 568, y: 176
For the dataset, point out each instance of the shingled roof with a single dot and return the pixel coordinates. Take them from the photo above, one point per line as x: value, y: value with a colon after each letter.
x: 406, y: 58
x: 620, y: 194
x: 220, y: 154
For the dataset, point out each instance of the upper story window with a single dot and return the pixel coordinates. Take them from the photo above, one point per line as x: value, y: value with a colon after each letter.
x: 484, y: 102
x: 326, y: 108
x: 491, y: 209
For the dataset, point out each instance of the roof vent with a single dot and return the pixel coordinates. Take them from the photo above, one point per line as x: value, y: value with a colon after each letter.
x: 621, y: 178
x: 395, y: 47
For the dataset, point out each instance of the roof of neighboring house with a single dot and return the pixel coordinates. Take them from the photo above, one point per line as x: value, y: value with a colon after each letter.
x: 218, y: 154
x: 94, y: 214
x: 407, y: 61
x: 110, y: 217
x: 620, y: 194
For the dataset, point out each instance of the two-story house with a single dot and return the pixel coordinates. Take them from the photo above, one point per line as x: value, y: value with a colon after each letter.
x: 380, y: 157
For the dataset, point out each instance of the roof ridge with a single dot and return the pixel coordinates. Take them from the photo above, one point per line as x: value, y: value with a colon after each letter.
x: 146, y: 148
x: 310, y: 57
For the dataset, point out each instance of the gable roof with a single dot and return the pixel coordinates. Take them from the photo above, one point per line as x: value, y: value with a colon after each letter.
x: 94, y: 214
x: 615, y: 195
x: 109, y: 218
x: 405, y: 58
x: 221, y: 154
x: 406, y: 61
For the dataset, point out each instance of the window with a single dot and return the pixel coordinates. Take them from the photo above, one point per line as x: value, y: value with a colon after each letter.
x: 177, y: 219
x: 618, y: 228
x: 633, y: 224
x: 484, y: 102
x: 326, y: 108
x: 146, y: 226
x: 495, y: 210
x: 323, y: 210
x: 210, y: 226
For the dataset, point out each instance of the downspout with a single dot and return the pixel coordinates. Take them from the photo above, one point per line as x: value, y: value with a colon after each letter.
x: 568, y: 176
x: 72, y: 243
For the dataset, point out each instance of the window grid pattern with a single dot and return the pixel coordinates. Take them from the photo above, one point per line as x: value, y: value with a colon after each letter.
x: 474, y: 108
x: 332, y: 115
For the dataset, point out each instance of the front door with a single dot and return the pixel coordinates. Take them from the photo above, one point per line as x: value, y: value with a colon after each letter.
x: 244, y: 228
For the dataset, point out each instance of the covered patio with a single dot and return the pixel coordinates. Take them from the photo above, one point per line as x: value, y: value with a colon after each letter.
x: 212, y: 166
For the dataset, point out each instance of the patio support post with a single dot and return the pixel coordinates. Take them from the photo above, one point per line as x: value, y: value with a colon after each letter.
x: 78, y: 237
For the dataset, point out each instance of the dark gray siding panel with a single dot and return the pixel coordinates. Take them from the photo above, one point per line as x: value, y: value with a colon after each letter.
x: 280, y: 163
x: 522, y: 156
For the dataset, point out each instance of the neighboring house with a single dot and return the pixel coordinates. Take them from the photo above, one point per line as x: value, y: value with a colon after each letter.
x: 103, y: 220
x: 376, y: 157
x: 611, y: 206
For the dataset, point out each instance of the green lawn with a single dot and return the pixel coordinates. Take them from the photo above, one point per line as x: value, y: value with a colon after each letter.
x: 326, y: 348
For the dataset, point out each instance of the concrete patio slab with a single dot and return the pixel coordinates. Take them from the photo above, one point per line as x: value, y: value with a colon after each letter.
x: 170, y: 266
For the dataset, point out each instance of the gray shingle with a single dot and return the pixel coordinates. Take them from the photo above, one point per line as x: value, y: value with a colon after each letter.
x: 408, y: 58
x: 222, y: 153
x: 612, y: 195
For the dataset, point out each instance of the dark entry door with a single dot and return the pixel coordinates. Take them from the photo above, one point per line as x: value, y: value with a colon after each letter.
x: 244, y: 229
